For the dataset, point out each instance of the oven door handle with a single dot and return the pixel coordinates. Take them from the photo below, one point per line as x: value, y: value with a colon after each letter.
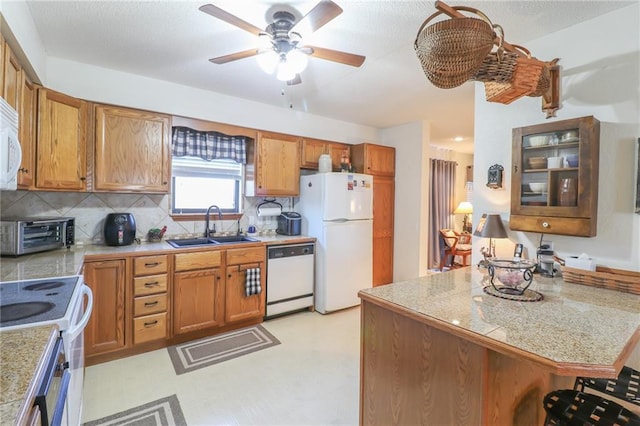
x: 76, y: 329
x: 56, y: 418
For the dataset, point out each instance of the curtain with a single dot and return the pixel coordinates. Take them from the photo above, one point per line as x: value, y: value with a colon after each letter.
x: 442, y: 179
x: 208, y: 145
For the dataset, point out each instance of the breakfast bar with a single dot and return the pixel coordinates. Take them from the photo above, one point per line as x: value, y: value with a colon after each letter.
x: 440, y: 350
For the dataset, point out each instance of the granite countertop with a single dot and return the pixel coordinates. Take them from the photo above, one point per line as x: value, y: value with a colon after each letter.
x: 22, y: 354
x: 573, y: 327
x: 63, y: 262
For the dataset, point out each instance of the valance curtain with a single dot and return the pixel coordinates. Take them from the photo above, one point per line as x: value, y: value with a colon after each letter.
x: 442, y: 180
x: 208, y: 145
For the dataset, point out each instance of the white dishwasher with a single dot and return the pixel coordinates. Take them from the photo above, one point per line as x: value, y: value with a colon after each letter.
x: 290, y: 278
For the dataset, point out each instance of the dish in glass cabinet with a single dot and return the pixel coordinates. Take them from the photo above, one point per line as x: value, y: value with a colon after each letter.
x: 538, y: 140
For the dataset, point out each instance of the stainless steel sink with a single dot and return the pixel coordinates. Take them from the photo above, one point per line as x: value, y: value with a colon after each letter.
x: 233, y: 239
x: 193, y: 242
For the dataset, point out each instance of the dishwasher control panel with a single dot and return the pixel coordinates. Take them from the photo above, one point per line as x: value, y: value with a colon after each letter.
x: 290, y: 250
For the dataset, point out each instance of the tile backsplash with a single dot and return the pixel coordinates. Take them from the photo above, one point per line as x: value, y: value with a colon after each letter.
x: 149, y: 210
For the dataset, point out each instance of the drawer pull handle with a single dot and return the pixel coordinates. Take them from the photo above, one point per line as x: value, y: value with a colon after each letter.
x: 152, y: 284
x: 545, y: 224
x: 150, y: 324
x: 151, y: 264
x: 149, y: 304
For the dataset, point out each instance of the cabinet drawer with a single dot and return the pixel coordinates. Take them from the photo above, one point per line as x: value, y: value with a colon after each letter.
x: 150, y: 327
x: 245, y: 255
x: 553, y: 225
x: 153, y: 284
x: 149, y: 304
x: 198, y: 260
x: 147, y: 265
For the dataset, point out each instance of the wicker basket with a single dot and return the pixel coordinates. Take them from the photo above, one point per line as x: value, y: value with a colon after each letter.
x: 452, y: 50
x: 525, y: 81
x: 603, y: 277
x: 497, y: 67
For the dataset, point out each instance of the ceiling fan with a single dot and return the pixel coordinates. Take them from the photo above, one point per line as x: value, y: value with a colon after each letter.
x: 284, y: 53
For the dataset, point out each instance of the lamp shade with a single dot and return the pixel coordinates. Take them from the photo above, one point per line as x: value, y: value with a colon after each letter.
x: 490, y: 226
x: 464, y: 207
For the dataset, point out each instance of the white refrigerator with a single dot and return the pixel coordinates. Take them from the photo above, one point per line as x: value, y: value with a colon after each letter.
x: 337, y: 209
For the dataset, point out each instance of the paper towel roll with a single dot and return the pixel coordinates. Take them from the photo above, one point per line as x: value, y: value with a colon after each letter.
x: 269, y: 211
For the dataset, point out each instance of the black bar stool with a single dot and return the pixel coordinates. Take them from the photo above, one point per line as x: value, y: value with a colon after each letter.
x: 574, y: 408
x: 626, y: 386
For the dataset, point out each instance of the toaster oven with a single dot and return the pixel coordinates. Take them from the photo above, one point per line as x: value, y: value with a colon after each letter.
x: 26, y: 235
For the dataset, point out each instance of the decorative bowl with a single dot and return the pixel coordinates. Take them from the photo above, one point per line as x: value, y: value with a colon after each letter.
x: 538, y: 140
x: 538, y: 162
x: 514, y: 276
x: 538, y: 187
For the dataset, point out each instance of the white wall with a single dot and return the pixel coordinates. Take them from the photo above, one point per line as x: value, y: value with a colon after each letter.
x: 411, y: 195
x: 600, y: 62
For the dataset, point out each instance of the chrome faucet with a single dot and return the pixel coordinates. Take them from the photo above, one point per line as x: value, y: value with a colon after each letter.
x: 207, y: 231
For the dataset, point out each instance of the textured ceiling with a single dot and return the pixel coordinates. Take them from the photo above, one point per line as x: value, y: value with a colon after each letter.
x: 173, y: 40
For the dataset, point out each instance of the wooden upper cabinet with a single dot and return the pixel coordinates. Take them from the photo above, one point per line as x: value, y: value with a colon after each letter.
x: 132, y: 150
x: 377, y: 160
x: 27, y: 124
x: 312, y: 149
x: 554, y: 179
x: 63, y: 127
x: 277, y: 163
x: 11, y: 77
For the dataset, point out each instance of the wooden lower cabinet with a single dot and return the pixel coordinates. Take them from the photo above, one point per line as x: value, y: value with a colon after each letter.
x: 150, y: 299
x: 198, y: 291
x: 198, y: 301
x: 239, y: 306
x: 105, y: 331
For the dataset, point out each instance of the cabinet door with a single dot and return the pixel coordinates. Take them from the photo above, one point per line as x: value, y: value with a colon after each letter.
x: 383, y: 203
x: 132, y: 150
x: 198, y: 300
x: 61, y: 142
x: 11, y: 83
x: 380, y: 160
x: 277, y: 165
x: 105, y: 331
x: 312, y: 149
x: 239, y: 306
x: 27, y: 123
x: 555, y: 177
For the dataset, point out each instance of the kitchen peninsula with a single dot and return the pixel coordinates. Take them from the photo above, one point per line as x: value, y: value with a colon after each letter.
x: 439, y: 350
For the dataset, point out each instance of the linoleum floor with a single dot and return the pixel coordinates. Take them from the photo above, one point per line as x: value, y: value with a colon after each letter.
x: 311, y: 378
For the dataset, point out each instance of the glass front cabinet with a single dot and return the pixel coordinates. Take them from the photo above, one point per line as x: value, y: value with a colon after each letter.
x: 554, y: 189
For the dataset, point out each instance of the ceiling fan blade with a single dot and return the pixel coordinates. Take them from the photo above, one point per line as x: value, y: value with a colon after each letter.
x: 296, y: 80
x: 337, y: 56
x: 216, y: 12
x: 234, y: 56
x: 321, y: 13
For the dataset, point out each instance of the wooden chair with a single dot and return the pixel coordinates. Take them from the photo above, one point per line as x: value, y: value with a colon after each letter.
x: 454, y: 244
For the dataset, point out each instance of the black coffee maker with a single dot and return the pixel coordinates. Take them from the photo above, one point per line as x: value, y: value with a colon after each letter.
x: 119, y: 229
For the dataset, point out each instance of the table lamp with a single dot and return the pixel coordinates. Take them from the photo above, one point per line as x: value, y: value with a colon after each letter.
x: 466, y: 209
x: 491, y: 227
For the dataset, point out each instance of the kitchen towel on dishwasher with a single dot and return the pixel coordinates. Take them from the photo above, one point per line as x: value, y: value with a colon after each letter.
x: 252, y: 283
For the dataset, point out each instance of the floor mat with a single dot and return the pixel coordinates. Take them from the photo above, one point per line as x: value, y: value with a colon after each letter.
x: 193, y: 355
x: 163, y: 412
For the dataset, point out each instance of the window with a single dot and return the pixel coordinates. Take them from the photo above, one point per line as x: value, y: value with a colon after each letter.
x: 198, y: 184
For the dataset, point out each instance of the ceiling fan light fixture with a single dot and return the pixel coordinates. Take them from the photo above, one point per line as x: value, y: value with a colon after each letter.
x: 297, y: 60
x: 268, y: 61
x: 285, y: 72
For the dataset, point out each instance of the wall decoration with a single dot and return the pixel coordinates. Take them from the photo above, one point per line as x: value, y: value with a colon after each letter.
x: 494, y: 176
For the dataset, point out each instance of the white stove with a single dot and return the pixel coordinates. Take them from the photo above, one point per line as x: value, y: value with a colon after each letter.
x: 53, y: 301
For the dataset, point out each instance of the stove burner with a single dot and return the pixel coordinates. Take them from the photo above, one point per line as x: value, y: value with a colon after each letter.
x: 46, y: 285
x: 18, y: 311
